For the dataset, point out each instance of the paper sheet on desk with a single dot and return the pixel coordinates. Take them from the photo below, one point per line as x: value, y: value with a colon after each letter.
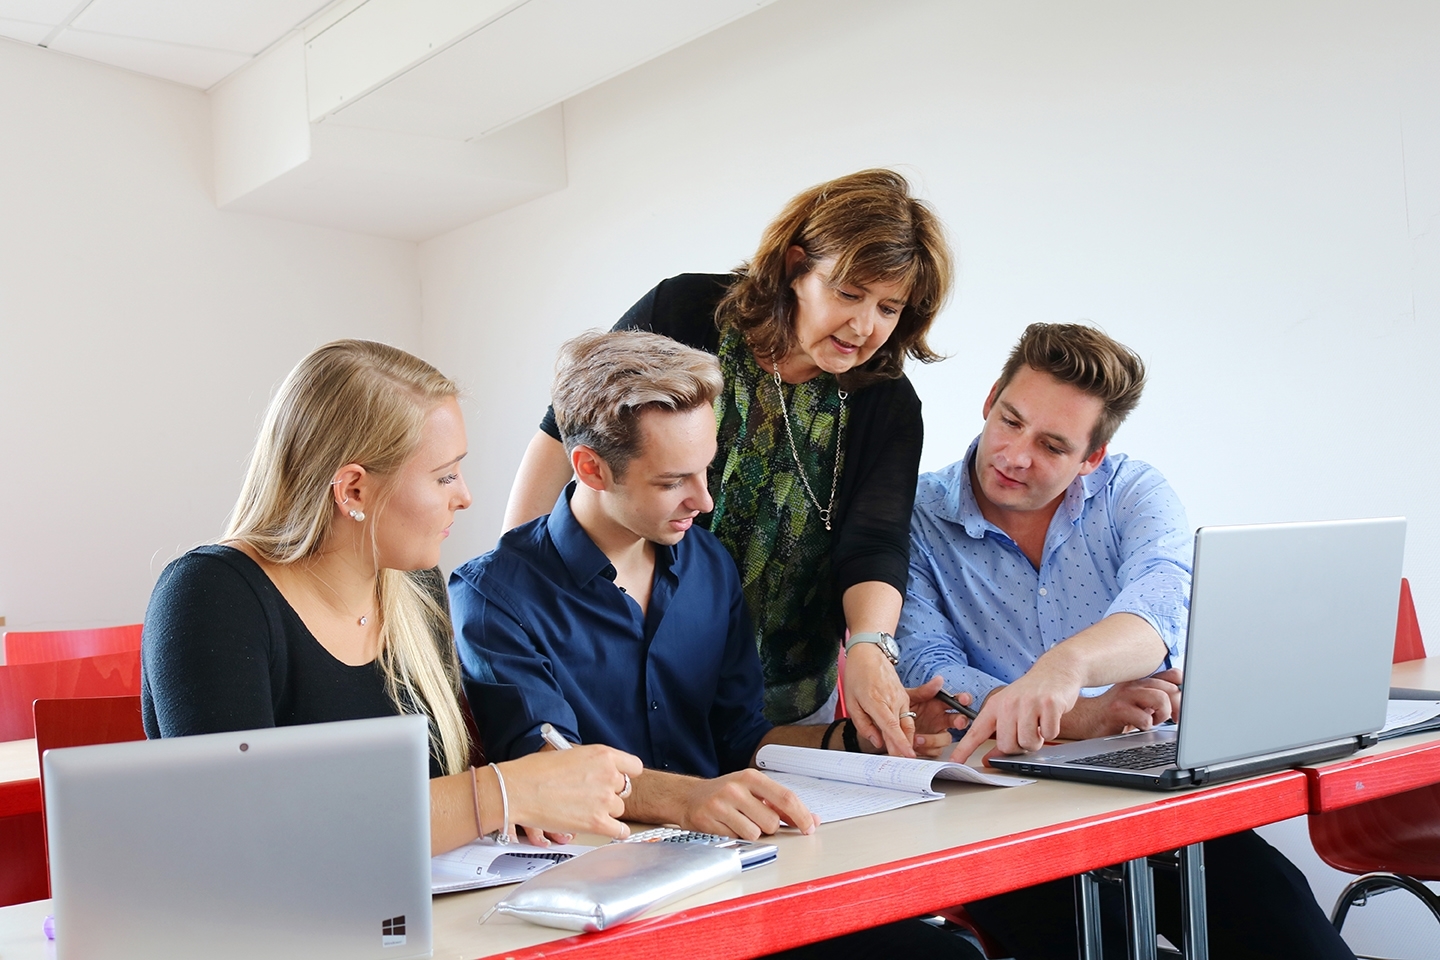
x: 483, y: 863
x: 837, y: 786
x: 1410, y: 716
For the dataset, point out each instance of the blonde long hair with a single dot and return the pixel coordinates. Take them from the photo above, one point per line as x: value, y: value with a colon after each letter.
x: 357, y: 401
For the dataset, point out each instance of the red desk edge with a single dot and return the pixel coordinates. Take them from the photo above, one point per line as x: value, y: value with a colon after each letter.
x: 765, y: 922
x: 1373, y: 775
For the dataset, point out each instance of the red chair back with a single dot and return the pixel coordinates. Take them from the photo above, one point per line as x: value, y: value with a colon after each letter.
x: 1408, y: 645
x: 39, y: 646
x: 79, y: 722
x: 21, y: 684
x: 1395, y: 834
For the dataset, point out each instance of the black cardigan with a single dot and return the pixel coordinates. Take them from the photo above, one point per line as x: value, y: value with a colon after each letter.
x: 882, y: 442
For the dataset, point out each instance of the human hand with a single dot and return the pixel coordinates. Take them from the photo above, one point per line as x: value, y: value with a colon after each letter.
x: 1134, y: 704
x: 570, y: 791
x: 1023, y: 715
x: 874, y: 700
x: 933, y: 721
x: 543, y: 838
x: 745, y: 804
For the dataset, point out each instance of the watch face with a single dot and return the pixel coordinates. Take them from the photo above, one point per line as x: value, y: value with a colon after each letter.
x: 889, y: 647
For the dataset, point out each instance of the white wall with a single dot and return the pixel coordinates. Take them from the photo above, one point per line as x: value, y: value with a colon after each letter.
x: 1246, y: 193
x: 142, y: 332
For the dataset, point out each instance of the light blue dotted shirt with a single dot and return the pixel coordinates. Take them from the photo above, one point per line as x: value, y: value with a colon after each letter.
x: 977, y: 611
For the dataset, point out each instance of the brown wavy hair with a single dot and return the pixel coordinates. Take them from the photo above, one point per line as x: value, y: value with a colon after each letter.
x: 874, y: 230
x: 1087, y: 359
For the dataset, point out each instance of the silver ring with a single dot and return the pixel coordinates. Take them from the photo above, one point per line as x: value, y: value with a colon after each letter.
x: 909, y: 713
x: 625, y: 792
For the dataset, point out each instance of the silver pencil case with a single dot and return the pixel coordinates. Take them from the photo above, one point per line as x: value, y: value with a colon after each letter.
x: 618, y: 882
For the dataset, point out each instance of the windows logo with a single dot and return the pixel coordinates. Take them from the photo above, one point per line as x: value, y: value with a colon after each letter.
x: 392, y: 932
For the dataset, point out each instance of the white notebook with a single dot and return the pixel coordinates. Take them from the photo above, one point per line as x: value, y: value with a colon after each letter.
x: 837, y: 786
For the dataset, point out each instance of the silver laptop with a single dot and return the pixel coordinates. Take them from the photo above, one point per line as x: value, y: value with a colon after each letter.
x: 1287, y: 659
x: 305, y: 841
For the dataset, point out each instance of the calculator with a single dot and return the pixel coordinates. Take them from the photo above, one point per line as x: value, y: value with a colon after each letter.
x: 752, y: 854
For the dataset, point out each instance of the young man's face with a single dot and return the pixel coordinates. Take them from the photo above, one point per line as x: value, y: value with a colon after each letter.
x: 664, y: 488
x: 1035, y: 442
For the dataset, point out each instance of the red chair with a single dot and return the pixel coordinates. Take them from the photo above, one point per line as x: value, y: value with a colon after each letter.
x: 21, y: 684
x: 40, y: 646
x: 80, y: 722
x: 1394, y: 842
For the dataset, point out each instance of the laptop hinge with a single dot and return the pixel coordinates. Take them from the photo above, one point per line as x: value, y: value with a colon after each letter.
x: 1280, y: 760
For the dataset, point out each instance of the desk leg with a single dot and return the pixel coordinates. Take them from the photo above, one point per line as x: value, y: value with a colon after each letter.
x: 1192, y: 902
x: 1140, y: 910
x: 1087, y: 917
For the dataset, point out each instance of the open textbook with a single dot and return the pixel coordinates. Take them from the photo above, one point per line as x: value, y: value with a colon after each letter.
x: 838, y: 786
x: 484, y: 863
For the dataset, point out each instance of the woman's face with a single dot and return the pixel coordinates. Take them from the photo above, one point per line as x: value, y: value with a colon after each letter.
x: 838, y: 327
x: 415, y: 521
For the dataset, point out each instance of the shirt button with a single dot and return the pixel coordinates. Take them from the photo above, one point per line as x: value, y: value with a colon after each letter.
x: 1043, y: 592
x: 654, y: 704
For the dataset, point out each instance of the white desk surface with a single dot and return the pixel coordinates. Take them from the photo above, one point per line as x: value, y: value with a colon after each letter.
x: 18, y: 761
x: 1417, y: 674
x: 968, y: 815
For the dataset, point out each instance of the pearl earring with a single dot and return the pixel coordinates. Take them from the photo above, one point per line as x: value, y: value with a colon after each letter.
x: 357, y: 515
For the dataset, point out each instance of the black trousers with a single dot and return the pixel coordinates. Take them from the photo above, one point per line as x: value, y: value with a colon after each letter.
x: 1258, y: 905
x: 906, y: 939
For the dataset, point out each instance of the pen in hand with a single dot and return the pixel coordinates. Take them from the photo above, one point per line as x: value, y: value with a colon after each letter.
x: 552, y: 737
x: 946, y: 699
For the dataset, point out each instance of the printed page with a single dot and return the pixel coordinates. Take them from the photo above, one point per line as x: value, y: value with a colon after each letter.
x: 1406, y: 713
x: 833, y: 800
x: 484, y: 863
x: 891, y: 773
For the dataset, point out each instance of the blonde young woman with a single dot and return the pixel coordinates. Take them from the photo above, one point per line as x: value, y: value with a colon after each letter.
x: 320, y: 602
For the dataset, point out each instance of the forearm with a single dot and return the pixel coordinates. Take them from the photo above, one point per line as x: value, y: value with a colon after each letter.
x: 543, y: 473
x: 872, y: 606
x: 1120, y: 647
x: 453, y: 806
x: 660, y: 797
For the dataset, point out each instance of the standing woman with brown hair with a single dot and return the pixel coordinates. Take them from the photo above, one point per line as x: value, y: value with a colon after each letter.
x: 321, y: 603
x: 819, y: 432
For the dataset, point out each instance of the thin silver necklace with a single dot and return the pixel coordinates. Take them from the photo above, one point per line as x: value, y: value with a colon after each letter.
x: 824, y: 512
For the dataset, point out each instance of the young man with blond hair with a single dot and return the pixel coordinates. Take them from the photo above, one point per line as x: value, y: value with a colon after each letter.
x: 616, y: 622
x: 1050, y: 579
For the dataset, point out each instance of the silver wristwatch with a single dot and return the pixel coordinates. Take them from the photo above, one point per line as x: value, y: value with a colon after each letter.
x: 884, y: 641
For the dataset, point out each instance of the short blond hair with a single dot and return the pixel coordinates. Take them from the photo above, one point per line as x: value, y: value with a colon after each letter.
x: 605, y: 381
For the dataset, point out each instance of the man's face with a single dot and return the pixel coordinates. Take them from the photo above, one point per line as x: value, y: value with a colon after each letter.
x: 1035, y: 442
x: 664, y: 488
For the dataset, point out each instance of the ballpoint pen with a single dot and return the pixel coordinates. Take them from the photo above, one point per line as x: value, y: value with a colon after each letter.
x: 949, y: 701
x: 552, y: 737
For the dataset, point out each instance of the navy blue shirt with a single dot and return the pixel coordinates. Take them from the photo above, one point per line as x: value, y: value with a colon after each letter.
x: 545, y: 635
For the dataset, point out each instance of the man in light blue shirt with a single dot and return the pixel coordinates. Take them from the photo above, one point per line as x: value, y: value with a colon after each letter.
x: 1118, y: 544
x: 1051, y: 581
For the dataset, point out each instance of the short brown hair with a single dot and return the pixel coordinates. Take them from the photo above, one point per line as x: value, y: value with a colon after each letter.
x: 875, y: 231
x: 1088, y: 359
x: 604, y: 381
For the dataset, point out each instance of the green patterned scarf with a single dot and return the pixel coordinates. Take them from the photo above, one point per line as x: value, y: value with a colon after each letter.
x: 767, y: 522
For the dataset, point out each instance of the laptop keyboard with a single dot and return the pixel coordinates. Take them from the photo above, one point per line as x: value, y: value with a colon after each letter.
x: 1134, y: 758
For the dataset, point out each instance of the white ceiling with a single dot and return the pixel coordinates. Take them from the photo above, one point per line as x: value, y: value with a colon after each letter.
x: 194, y: 42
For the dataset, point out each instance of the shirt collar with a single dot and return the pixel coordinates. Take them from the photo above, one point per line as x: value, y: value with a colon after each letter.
x: 962, y: 508
x: 578, y: 552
